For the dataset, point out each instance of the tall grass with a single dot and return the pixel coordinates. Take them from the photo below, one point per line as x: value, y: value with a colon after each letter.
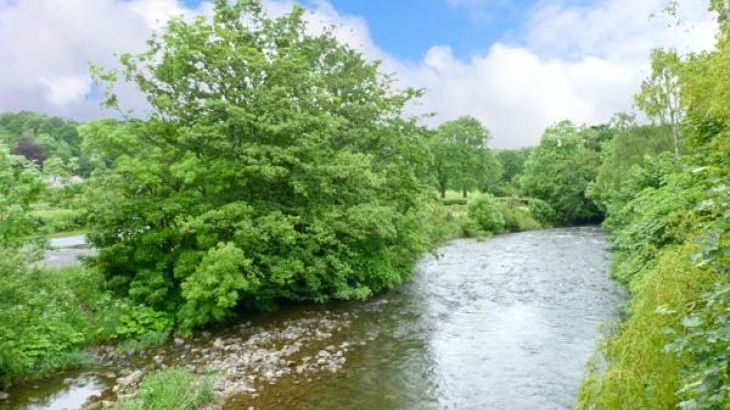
x: 171, y: 389
x: 640, y: 373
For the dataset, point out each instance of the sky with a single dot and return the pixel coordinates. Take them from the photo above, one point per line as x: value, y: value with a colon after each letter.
x: 516, y: 65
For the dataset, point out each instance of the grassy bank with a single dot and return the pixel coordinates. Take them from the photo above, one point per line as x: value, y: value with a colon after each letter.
x: 671, y: 251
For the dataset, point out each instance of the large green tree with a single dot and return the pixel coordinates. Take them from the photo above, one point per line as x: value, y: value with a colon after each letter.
x: 462, y: 160
x: 559, y: 171
x: 275, y: 165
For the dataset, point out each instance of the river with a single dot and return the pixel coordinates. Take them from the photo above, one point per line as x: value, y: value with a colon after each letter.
x: 505, y: 323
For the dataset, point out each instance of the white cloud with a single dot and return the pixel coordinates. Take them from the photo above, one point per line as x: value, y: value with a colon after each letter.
x: 576, y: 62
x: 47, y: 46
x: 66, y: 90
x: 579, y: 63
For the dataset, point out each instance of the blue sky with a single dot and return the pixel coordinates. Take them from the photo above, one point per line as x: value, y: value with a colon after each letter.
x: 408, y: 28
x: 516, y: 65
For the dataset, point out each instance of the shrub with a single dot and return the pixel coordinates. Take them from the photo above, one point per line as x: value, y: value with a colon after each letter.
x: 143, y: 342
x: 517, y: 218
x: 485, y: 211
x: 140, y: 320
x: 640, y: 373
x: 542, y: 212
x: 470, y: 228
x: 704, y: 337
x: 42, y: 323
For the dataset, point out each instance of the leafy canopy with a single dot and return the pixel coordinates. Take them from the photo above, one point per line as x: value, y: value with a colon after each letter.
x: 558, y: 172
x: 462, y: 160
x: 275, y: 165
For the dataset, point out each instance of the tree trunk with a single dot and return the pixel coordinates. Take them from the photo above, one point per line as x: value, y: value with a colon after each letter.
x: 443, y: 192
x: 675, y: 140
x: 463, y: 192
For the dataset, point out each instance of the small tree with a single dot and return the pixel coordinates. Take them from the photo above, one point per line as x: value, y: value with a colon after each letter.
x: 659, y: 96
x: 30, y: 150
x: 20, y: 184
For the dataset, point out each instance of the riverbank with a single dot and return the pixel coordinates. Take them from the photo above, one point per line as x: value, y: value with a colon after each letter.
x: 508, y: 311
x: 97, y: 317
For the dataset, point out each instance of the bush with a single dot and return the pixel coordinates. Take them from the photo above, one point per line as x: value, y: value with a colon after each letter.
x: 143, y: 342
x: 704, y: 337
x: 542, y: 212
x: 517, y: 218
x: 670, y: 231
x: 170, y: 389
x: 48, y: 316
x: 42, y: 322
x: 141, y: 320
x: 485, y: 211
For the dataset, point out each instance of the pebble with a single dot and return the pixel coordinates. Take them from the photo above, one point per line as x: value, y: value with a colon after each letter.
x: 132, y: 378
x: 247, y: 360
x: 4, y: 396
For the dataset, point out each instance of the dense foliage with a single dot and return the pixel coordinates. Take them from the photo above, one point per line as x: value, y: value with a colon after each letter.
x: 276, y: 165
x: 512, y: 164
x: 43, y: 317
x: 558, y: 172
x: 42, y: 137
x: 630, y: 146
x: 485, y: 211
x: 669, y: 218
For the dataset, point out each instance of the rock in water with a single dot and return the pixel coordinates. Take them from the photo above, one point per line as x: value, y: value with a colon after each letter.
x: 218, y: 344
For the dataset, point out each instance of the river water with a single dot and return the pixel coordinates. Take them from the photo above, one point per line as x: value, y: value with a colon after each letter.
x: 506, y: 323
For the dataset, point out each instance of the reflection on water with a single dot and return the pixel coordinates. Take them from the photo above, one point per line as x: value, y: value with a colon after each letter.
x: 507, y: 323
x: 67, y: 392
x: 67, y: 251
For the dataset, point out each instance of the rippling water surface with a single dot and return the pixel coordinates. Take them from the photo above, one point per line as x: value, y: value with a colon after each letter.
x: 506, y: 323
